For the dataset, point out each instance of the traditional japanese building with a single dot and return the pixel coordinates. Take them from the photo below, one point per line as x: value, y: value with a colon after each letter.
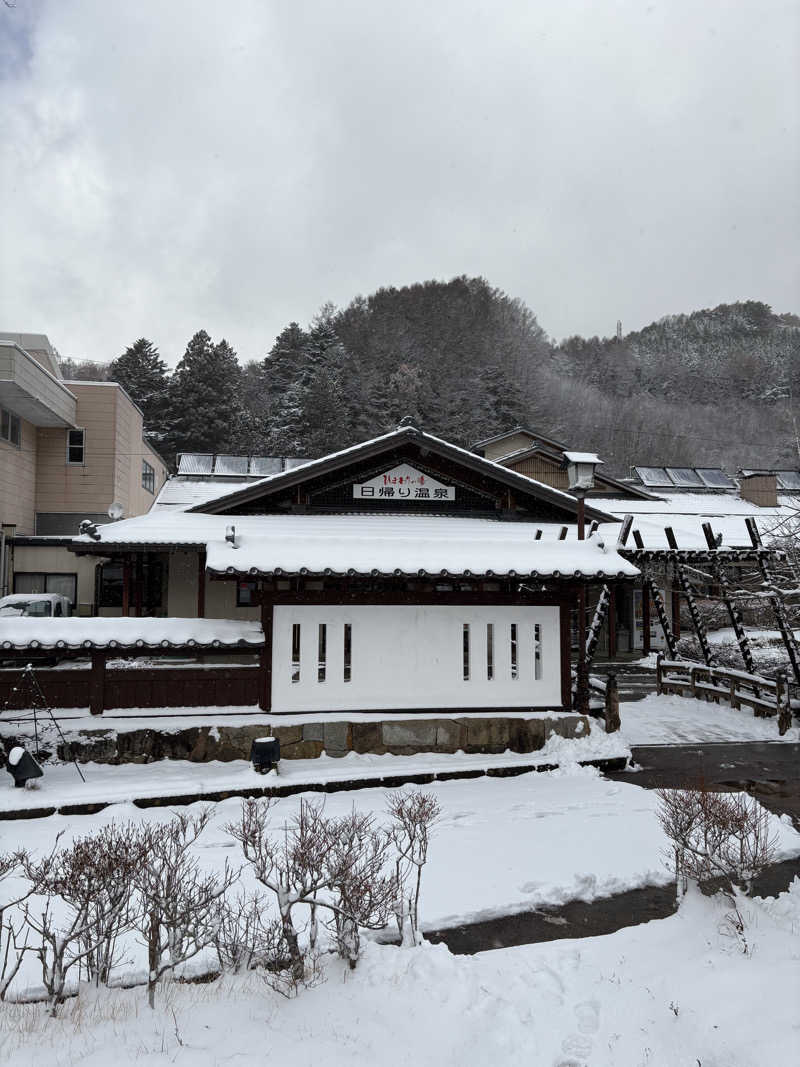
x: 401, y: 574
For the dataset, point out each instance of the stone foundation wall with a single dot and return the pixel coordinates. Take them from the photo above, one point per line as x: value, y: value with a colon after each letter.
x: 403, y: 737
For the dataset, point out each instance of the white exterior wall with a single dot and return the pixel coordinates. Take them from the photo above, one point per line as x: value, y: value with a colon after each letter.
x: 406, y: 657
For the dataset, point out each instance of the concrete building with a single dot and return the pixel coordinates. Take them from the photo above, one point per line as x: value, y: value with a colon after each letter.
x: 68, y: 451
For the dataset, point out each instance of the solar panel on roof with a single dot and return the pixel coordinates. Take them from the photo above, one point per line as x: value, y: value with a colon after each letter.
x: 195, y: 463
x: 264, y: 465
x: 788, y: 479
x: 685, y: 476
x: 653, y: 476
x: 715, y: 478
x: 228, y: 465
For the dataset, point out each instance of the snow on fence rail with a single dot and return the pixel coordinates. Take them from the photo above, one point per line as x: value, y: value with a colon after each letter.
x: 766, y: 696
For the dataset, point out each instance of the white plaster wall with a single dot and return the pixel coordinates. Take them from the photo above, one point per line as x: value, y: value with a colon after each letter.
x: 410, y: 657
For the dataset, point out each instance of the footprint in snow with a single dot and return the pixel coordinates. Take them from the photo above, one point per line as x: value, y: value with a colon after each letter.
x: 587, y: 1015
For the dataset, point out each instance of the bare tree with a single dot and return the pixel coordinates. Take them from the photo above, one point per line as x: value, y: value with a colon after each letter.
x: 414, y: 814
x: 112, y: 858
x: 292, y: 865
x: 12, y: 945
x: 364, y: 890
x: 337, y: 865
x: 723, y: 836
x: 177, y: 916
x: 95, y: 896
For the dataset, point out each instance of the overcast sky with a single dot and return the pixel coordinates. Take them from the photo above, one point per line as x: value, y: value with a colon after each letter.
x: 231, y: 165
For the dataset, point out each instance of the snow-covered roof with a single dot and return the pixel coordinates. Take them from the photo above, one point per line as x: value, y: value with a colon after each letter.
x: 409, y: 544
x: 582, y: 457
x: 686, y: 513
x: 180, y: 493
x: 27, y: 633
x: 374, y: 447
x: 362, y: 543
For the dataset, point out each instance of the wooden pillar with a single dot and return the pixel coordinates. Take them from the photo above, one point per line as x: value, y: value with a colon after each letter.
x: 265, y: 658
x: 126, y: 586
x: 645, y: 619
x: 138, y: 584
x: 97, y: 683
x: 201, y: 585
x: 612, y: 622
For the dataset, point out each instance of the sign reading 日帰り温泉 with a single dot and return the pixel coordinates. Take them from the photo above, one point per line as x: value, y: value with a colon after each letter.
x: 403, y: 483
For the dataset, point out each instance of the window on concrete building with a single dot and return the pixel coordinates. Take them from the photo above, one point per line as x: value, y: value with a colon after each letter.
x: 514, y: 667
x: 537, y: 651
x: 76, y: 446
x: 322, y: 652
x: 39, y: 582
x: 10, y: 427
x: 148, y: 477
x: 489, y: 651
x: 465, y: 647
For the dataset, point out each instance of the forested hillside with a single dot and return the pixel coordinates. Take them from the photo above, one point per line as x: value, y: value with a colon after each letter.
x: 713, y: 387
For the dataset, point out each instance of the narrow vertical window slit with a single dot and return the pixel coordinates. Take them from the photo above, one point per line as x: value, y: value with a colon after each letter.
x: 348, y: 651
x: 514, y: 667
x: 466, y: 651
x: 537, y: 651
x: 489, y: 651
x: 322, y: 643
x: 296, y: 652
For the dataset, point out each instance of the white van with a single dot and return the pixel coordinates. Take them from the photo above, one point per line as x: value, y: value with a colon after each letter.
x: 36, y: 605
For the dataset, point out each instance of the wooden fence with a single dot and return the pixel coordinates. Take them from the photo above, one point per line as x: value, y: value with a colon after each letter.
x: 766, y: 696
x: 102, y: 688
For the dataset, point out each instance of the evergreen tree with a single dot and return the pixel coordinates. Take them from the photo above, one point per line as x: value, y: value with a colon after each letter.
x: 497, y: 404
x: 315, y: 414
x: 143, y: 375
x: 282, y: 364
x: 204, y: 398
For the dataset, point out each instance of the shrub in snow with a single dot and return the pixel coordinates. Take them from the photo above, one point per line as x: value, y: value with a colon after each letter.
x: 337, y: 866
x: 414, y: 814
x: 177, y: 913
x: 12, y: 944
x: 86, y: 905
x: 243, y: 935
x: 723, y: 836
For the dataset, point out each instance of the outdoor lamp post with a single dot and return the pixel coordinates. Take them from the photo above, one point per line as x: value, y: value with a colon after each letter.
x: 581, y: 467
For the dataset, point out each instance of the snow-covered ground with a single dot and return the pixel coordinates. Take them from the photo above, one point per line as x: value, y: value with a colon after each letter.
x: 63, y: 785
x: 674, y: 992
x: 674, y: 720
x: 502, y: 845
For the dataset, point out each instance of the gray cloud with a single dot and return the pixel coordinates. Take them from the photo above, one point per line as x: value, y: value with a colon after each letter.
x: 233, y: 165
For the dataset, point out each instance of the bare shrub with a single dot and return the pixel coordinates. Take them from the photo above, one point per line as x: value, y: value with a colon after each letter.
x: 414, y: 814
x: 717, y: 836
x: 177, y: 913
x: 94, y: 895
x: 113, y: 856
x: 12, y: 945
x: 364, y: 888
x: 338, y: 866
x: 243, y: 936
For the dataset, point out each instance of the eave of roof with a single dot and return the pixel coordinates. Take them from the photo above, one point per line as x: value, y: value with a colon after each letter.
x: 519, y: 429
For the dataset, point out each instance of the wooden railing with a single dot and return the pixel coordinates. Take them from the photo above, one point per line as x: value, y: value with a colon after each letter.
x: 766, y: 696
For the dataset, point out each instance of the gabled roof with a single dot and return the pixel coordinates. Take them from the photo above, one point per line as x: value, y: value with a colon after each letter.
x: 278, y: 483
x: 520, y: 429
x: 601, y: 479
